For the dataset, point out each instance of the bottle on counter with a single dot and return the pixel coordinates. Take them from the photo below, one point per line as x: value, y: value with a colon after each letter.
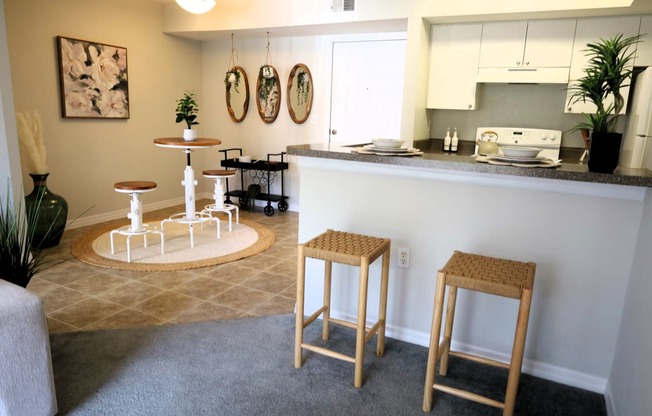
x: 454, y: 141
x: 447, y: 140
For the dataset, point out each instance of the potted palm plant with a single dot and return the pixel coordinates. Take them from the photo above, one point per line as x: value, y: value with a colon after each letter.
x: 187, y: 109
x: 609, y: 70
x: 20, y: 258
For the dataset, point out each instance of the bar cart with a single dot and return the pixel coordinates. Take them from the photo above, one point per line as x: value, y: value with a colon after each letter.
x: 262, y: 172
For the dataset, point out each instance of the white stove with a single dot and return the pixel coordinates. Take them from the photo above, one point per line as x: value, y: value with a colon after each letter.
x: 548, y: 140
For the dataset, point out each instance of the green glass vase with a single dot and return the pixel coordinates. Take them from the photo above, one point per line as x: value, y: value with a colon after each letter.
x: 46, y: 212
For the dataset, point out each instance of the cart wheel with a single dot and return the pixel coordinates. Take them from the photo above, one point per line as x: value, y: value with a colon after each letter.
x: 268, y: 210
x: 242, y: 201
x: 282, y: 205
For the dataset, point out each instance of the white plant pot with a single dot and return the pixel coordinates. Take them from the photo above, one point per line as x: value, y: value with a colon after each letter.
x: 189, y: 134
x: 232, y: 77
x: 268, y: 72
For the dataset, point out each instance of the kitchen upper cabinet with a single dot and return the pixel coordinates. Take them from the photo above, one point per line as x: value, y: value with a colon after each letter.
x: 532, y: 44
x: 644, y: 47
x: 454, y: 52
x: 591, y: 31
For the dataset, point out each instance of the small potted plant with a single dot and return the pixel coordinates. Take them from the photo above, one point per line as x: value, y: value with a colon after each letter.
x: 232, y: 80
x: 186, y: 111
x: 609, y: 69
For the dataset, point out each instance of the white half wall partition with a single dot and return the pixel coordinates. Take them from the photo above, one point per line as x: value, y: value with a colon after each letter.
x: 582, y: 237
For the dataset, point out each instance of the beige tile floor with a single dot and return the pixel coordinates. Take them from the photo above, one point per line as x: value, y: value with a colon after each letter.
x: 78, y: 296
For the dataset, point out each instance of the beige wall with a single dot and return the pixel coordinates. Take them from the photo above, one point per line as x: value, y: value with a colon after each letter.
x: 85, y: 157
x: 9, y: 163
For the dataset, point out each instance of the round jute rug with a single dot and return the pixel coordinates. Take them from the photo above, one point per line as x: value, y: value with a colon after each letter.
x: 246, y: 239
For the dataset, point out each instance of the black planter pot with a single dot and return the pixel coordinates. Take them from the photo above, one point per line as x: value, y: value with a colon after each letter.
x: 47, y: 213
x: 604, y: 152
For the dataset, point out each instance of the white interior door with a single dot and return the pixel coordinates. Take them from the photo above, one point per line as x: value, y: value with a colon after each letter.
x: 367, y: 90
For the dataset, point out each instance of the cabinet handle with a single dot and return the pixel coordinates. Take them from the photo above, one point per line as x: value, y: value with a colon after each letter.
x: 518, y: 62
x: 470, y: 105
x: 527, y: 62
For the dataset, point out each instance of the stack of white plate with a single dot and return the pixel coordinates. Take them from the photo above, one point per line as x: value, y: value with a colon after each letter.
x: 387, y: 143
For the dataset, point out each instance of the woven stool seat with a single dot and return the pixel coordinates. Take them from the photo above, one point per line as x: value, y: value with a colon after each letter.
x: 489, y: 275
x: 346, y: 248
x: 506, y: 278
x: 350, y: 249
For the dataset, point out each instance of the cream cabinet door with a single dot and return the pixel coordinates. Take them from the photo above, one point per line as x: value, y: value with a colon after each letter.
x: 534, y: 44
x: 503, y: 44
x: 549, y: 43
x: 590, y: 31
x: 454, y: 51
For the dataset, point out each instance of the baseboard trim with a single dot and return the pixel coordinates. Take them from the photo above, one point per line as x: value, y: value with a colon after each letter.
x: 122, y: 213
x: 538, y: 369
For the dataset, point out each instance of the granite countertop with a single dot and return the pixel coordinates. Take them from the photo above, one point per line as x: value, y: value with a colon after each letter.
x: 570, y: 170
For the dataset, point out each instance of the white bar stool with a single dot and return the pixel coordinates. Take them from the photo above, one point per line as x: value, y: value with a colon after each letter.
x: 218, y: 195
x: 135, y: 189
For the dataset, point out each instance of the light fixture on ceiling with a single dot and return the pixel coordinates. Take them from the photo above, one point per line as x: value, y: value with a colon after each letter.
x: 196, y: 6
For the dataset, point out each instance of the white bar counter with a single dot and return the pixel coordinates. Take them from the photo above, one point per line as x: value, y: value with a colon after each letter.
x: 582, y: 233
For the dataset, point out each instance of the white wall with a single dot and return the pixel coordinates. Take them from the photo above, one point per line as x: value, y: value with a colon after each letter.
x: 583, y: 246
x: 86, y: 157
x: 252, y: 135
x: 629, y: 381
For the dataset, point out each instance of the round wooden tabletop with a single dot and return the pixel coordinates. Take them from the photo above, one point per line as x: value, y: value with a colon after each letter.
x: 180, y: 143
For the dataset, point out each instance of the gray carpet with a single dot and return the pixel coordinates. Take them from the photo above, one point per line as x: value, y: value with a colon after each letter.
x: 245, y: 367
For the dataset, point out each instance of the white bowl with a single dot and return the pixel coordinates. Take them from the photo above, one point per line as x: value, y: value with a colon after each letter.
x: 513, y: 151
x: 244, y: 159
x: 388, y: 143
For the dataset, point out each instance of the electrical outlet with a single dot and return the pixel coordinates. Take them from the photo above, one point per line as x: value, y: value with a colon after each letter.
x: 404, y: 257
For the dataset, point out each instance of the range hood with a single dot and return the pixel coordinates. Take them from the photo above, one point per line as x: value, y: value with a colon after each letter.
x: 524, y: 75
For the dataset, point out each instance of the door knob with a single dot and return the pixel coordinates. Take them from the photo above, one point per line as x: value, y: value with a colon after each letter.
x: 334, y: 131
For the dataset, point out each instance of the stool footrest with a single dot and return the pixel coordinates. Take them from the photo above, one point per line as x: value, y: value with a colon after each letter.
x: 478, y: 359
x: 343, y: 323
x: 328, y: 353
x: 372, y: 331
x: 314, y: 316
x: 469, y: 396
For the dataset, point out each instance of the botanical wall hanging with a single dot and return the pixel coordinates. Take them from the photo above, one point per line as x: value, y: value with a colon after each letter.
x: 93, y: 78
x: 268, y: 90
x: 237, y: 88
x: 299, y: 93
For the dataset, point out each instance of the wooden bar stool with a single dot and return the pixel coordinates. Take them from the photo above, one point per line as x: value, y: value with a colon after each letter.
x: 218, y: 195
x: 355, y: 250
x: 135, y: 189
x: 500, y: 277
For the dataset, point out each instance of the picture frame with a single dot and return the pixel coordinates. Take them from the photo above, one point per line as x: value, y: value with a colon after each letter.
x: 93, y: 79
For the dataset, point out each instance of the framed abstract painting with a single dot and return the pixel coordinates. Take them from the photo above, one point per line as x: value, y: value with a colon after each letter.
x: 93, y: 79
